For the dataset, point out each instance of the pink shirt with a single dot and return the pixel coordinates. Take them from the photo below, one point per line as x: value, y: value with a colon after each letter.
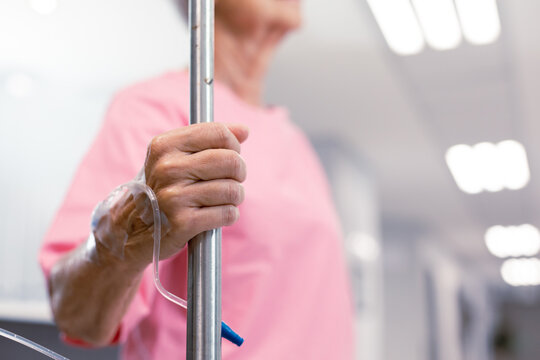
x: 285, y: 288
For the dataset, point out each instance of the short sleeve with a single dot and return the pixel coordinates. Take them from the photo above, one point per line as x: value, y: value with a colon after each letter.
x: 115, y: 156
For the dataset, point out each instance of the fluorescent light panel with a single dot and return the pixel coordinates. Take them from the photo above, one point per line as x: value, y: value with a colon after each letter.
x: 515, y: 241
x: 439, y: 22
x: 44, y: 7
x: 436, y: 21
x: 479, y: 20
x: 489, y: 167
x: 398, y: 24
x: 521, y: 272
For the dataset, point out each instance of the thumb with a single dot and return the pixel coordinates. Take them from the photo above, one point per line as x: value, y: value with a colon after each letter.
x: 241, y: 132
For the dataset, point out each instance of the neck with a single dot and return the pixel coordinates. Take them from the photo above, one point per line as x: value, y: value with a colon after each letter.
x: 241, y: 61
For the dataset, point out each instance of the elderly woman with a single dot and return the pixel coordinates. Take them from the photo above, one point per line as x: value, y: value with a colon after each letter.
x: 284, y: 280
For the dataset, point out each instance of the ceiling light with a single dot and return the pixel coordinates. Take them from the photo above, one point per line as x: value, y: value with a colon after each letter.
x: 461, y: 162
x: 439, y: 22
x: 399, y: 25
x: 487, y: 166
x: 521, y: 272
x: 523, y: 240
x: 19, y: 85
x: 44, y: 7
x: 479, y: 20
x: 489, y: 172
x: 513, y: 159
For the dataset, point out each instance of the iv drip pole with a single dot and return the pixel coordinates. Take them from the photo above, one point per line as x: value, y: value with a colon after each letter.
x: 204, y: 251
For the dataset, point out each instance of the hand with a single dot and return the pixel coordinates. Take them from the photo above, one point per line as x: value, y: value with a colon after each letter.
x: 196, y: 174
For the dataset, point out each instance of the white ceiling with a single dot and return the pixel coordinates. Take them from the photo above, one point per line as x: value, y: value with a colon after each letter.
x: 402, y: 113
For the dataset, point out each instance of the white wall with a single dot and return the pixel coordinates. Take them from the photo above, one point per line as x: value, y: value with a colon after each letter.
x: 57, y: 74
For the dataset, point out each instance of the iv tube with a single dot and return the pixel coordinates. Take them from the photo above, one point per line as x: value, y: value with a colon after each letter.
x: 226, y: 331
x: 31, y: 344
x: 157, y: 241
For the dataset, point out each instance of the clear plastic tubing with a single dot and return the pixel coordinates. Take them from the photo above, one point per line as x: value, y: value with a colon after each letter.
x: 139, y: 186
x: 31, y: 344
x: 226, y: 331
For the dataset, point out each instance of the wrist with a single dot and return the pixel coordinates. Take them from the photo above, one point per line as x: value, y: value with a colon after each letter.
x: 122, y: 232
x: 124, y: 263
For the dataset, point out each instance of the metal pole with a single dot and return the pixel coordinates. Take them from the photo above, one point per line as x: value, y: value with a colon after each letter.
x: 204, y: 251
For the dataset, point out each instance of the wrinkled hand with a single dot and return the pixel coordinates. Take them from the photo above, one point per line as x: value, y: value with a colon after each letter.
x: 196, y: 174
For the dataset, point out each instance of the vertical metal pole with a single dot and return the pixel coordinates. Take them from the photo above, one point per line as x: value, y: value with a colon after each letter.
x: 204, y: 251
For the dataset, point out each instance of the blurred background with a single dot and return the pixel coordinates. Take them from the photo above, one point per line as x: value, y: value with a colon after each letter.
x: 424, y: 114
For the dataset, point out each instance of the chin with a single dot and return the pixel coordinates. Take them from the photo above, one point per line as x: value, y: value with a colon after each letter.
x: 289, y: 20
x: 246, y: 16
x: 287, y: 26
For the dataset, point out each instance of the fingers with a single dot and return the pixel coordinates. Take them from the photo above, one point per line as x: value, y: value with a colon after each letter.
x: 217, y: 164
x: 207, y: 218
x: 189, y: 222
x: 206, y: 194
x: 187, y: 205
x: 205, y: 165
x: 212, y: 136
x: 199, y: 137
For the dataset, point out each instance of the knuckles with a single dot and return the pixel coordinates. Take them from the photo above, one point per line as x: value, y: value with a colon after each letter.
x: 167, y: 166
x: 221, y: 132
x: 229, y: 215
x: 222, y: 136
x: 185, y: 222
x: 235, y: 193
x: 158, y: 144
x: 155, y: 151
x: 236, y: 165
x: 168, y: 194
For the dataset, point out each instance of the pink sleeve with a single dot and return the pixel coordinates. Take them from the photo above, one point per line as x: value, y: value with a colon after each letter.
x: 116, y: 155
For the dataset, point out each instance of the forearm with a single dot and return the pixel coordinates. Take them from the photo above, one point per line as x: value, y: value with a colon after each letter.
x: 89, y: 297
x: 92, y: 287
